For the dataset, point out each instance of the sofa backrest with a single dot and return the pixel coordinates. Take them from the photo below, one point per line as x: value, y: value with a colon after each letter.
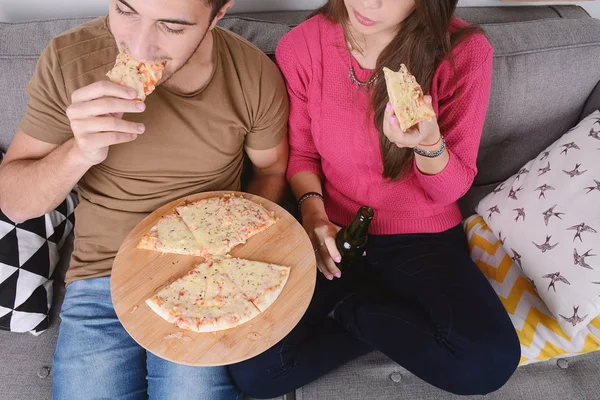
x: 545, y: 70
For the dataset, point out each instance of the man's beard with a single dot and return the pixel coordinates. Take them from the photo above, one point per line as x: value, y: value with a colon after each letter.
x: 166, y: 78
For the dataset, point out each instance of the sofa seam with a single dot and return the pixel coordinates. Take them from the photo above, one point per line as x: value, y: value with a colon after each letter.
x: 36, y: 21
x: 545, y: 50
x: 534, y: 21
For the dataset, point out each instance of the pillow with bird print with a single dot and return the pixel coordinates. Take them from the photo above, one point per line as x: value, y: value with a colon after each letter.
x: 540, y: 334
x: 547, y: 216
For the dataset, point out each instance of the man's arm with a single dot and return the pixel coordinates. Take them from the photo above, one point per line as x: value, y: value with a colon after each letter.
x: 268, y: 175
x: 35, y: 177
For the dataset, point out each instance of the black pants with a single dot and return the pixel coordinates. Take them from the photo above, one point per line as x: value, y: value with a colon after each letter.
x: 419, y: 299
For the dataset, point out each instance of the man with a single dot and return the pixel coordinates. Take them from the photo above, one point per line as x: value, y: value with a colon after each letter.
x: 218, y: 97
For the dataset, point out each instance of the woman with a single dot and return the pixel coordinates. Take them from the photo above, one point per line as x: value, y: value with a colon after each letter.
x: 418, y: 298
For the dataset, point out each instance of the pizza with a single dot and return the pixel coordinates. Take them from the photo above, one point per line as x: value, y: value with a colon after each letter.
x: 171, y: 235
x: 261, y: 282
x: 219, y: 294
x: 221, y: 223
x: 140, y: 76
x: 406, y: 98
x: 208, y: 227
x: 222, y: 292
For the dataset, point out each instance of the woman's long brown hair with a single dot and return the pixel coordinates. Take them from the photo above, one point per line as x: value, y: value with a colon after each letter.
x: 422, y: 42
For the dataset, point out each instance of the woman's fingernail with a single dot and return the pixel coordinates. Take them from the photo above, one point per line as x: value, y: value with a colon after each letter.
x: 140, y: 106
x: 141, y: 128
x: 338, y: 259
x: 392, y: 120
x: 388, y: 108
x: 338, y: 275
x: 330, y: 277
x: 132, y: 93
x: 364, y: 254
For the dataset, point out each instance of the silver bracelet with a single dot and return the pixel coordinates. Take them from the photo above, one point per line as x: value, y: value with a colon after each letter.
x: 431, y: 154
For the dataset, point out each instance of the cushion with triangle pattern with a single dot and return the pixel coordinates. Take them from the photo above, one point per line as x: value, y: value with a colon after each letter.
x: 29, y: 252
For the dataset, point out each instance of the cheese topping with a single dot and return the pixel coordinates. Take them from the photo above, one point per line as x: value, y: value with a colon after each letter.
x: 221, y: 223
x: 175, y: 236
x: 253, y: 277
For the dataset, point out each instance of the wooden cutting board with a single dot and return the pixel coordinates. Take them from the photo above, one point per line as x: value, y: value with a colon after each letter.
x: 138, y: 274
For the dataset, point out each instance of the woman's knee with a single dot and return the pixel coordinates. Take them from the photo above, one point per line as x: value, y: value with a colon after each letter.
x: 486, y: 366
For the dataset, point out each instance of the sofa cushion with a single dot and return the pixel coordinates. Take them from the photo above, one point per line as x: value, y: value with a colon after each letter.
x: 263, y: 34
x: 548, y: 217
x: 538, y: 93
x: 20, y: 47
x: 29, y: 253
x: 539, y: 332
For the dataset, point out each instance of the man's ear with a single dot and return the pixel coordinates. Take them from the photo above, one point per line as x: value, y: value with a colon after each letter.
x: 221, y: 14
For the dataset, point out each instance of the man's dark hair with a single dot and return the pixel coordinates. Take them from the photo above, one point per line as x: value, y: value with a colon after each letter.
x: 216, y: 7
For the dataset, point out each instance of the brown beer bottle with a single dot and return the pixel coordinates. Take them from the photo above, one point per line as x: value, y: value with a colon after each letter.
x: 351, y: 241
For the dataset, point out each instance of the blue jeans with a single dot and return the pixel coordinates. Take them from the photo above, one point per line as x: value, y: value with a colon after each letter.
x: 419, y: 299
x: 96, y: 358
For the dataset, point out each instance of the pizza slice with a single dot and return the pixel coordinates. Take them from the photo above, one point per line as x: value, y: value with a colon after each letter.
x: 174, y: 302
x: 171, y: 235
x: 142, y: 77
x: 204, y: 300
x: 406, y: 97
x: 261, y: 282
x: 225, y: 306
x: 221, y: 223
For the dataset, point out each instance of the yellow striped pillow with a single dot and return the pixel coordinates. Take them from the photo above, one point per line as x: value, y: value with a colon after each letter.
x: 540, y: 334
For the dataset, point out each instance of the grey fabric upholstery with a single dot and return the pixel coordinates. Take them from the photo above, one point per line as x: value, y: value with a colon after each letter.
x: 375, y: 377
x: 533, y: 85
x: 542, y: 80
x: 546, y: 77
x: 482, y: 15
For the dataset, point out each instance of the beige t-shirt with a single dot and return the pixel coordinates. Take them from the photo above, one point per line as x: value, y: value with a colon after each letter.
x: 193, y: 143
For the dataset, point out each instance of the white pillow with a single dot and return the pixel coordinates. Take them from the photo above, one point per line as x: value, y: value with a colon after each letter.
x: 548, y: 217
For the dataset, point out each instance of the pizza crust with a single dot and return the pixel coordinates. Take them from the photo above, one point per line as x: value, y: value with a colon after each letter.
x: 153, y: 303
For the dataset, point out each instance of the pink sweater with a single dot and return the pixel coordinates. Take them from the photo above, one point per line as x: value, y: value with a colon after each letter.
x: 332, y: 131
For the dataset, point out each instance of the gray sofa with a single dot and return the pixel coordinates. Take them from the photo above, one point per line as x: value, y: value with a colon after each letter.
x: 546, y: 78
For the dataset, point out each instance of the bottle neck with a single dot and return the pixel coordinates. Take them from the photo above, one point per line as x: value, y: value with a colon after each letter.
x: 358, y: 229
x: 360, y: 225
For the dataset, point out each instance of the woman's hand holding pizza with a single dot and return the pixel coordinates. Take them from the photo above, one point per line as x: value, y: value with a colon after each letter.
x: 423, y: 133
